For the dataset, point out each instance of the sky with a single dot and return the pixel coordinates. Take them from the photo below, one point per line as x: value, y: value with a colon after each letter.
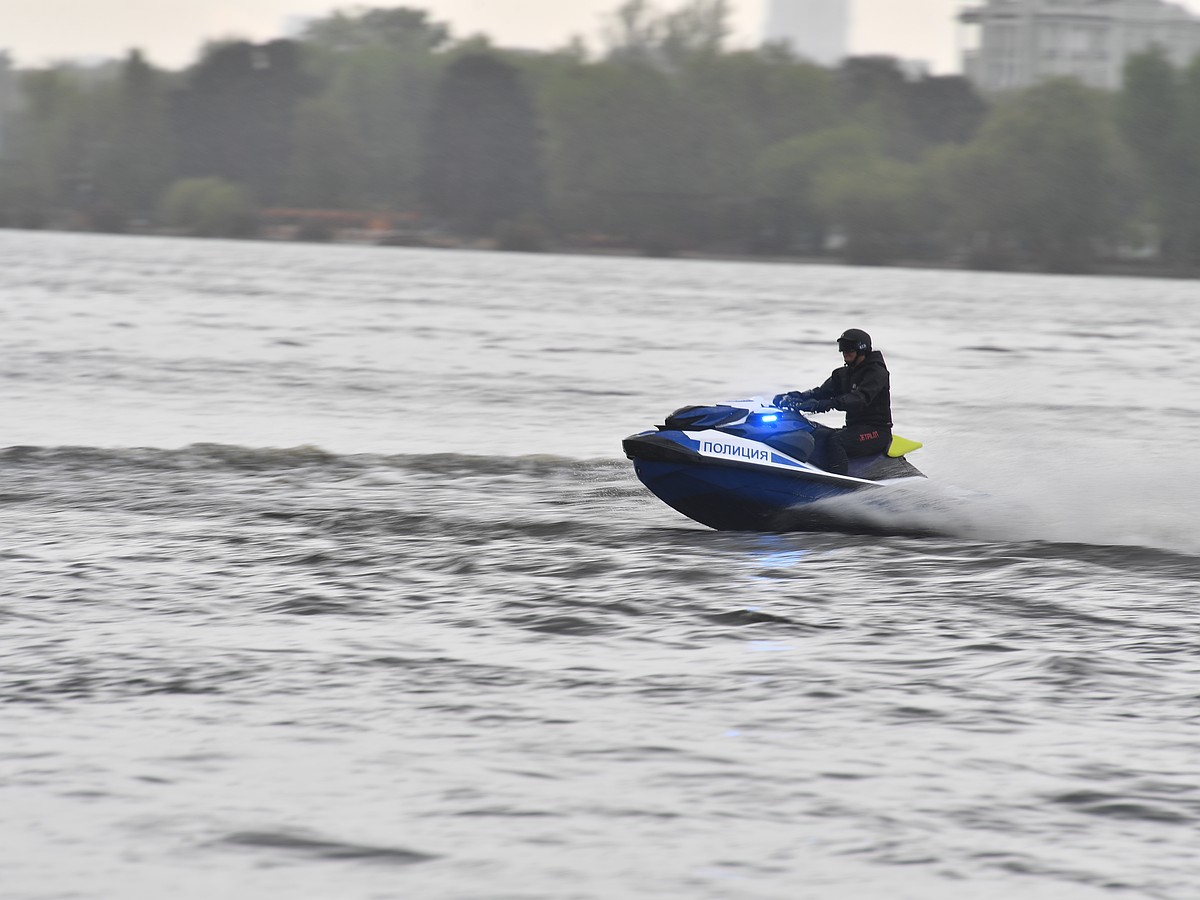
x: 171, y: 32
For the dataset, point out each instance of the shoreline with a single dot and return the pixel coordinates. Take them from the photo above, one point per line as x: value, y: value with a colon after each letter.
x: 1107, y: 269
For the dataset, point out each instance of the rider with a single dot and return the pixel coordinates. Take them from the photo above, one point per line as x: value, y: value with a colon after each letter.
x: 862, y: 387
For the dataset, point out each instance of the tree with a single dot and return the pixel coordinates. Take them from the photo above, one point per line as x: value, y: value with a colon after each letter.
x: 1047, y: 180
x: 945, y: 109
x: 789, y: 176
x: 1185, y: 208
x: 659, y: 153
x: 48, y: 152
x: 775, y: 95
x: 875, y: 91
x: 912, y: 114
x: 634, y: 32
x: 699, y: 28
x: 378, y: 69
x: 1147, y: 107
x: 383, y: 94
x: 401, y: 28
x: 326, y: 168
x: 1159, y: 113
x: 628, y: 155
x: 876, y: 204
x: 483, y: 155
x: 234, y: 118
x: 640, y: 33
x: 136, y: 157
x: 209, y: 207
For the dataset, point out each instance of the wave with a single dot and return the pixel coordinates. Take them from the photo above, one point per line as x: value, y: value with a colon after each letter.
x: 548, y: 496
x: 925, y: 508
x: 324, y: 848
x: 239, y: 458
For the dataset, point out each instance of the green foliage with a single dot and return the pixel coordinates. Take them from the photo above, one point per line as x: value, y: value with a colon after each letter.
x: 641, y: 34
x: 520, y: 236
x: 135, y: 157
x: 944, y: 109
x: 326, y: 168
x: 1185, y: 221
x: 358, y: 142
x: 1147, y: 107
x: 383, y: 96
x: 627, y: 153
x: 400, y: 28
x: 1158, y: 109
x: 875, y: 203
x: 1046, y: 182
x: 776, y: 96
x: 667, y: 142
x: 209, y: 207
x: 910, y: 114
x: 789, y: 176
x: 483, y: 160
x: 47, y: 151
x: 634, y: 32
x: 699, y: 28
x: 234, y: 118
x: 661, y: 155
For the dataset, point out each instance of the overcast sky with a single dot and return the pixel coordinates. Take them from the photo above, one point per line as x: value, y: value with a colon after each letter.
x: 171, y: 31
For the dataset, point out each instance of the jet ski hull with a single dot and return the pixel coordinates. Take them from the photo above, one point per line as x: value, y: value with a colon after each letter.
x: 730, y: 498
x: 748, y: 469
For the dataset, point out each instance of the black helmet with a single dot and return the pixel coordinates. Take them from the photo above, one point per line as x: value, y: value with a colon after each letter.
x: 855, y: 339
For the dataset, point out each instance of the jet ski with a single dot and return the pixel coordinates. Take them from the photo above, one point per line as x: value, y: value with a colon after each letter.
x: 746, y: 465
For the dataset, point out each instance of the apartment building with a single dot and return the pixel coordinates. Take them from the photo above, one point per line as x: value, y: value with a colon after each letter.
x: 1011, y: 44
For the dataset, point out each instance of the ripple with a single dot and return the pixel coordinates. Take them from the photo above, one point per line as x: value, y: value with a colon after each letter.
x: 319, y: 848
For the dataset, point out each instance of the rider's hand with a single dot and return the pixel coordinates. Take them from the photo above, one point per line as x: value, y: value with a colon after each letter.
x: 791, y: 400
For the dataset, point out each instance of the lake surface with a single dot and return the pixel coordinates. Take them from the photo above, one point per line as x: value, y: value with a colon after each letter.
x: 324, y: 576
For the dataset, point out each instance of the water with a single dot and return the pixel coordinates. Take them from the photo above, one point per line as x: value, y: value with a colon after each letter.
x: 323, y: 577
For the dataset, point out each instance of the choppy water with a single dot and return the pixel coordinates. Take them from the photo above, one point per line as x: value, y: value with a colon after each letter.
x: 323, y: 578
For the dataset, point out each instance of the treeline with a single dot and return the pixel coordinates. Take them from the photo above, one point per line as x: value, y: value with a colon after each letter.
x: 668, y: 142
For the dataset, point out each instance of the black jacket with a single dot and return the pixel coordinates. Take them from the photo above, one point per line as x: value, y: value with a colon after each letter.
x: 864, y: 392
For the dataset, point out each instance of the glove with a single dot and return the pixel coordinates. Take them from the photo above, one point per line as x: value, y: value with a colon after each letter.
x: 814, y: 406
x: 791, y: 400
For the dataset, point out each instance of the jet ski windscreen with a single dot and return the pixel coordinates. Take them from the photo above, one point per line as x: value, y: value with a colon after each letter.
x: 692, y: 418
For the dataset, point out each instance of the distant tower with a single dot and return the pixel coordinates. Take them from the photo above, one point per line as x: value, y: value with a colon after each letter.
x: 818, y: 30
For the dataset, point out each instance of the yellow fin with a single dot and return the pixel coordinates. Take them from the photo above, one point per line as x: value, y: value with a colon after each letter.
x: 901, y: 446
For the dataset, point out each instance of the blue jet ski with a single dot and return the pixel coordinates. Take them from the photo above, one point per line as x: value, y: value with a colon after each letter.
x: 748, y: 466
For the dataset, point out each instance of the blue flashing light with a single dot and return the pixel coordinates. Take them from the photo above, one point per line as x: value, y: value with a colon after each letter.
x: 770, y: 418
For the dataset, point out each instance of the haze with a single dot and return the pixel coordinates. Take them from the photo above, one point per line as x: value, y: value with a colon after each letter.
x: 36, y: 32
